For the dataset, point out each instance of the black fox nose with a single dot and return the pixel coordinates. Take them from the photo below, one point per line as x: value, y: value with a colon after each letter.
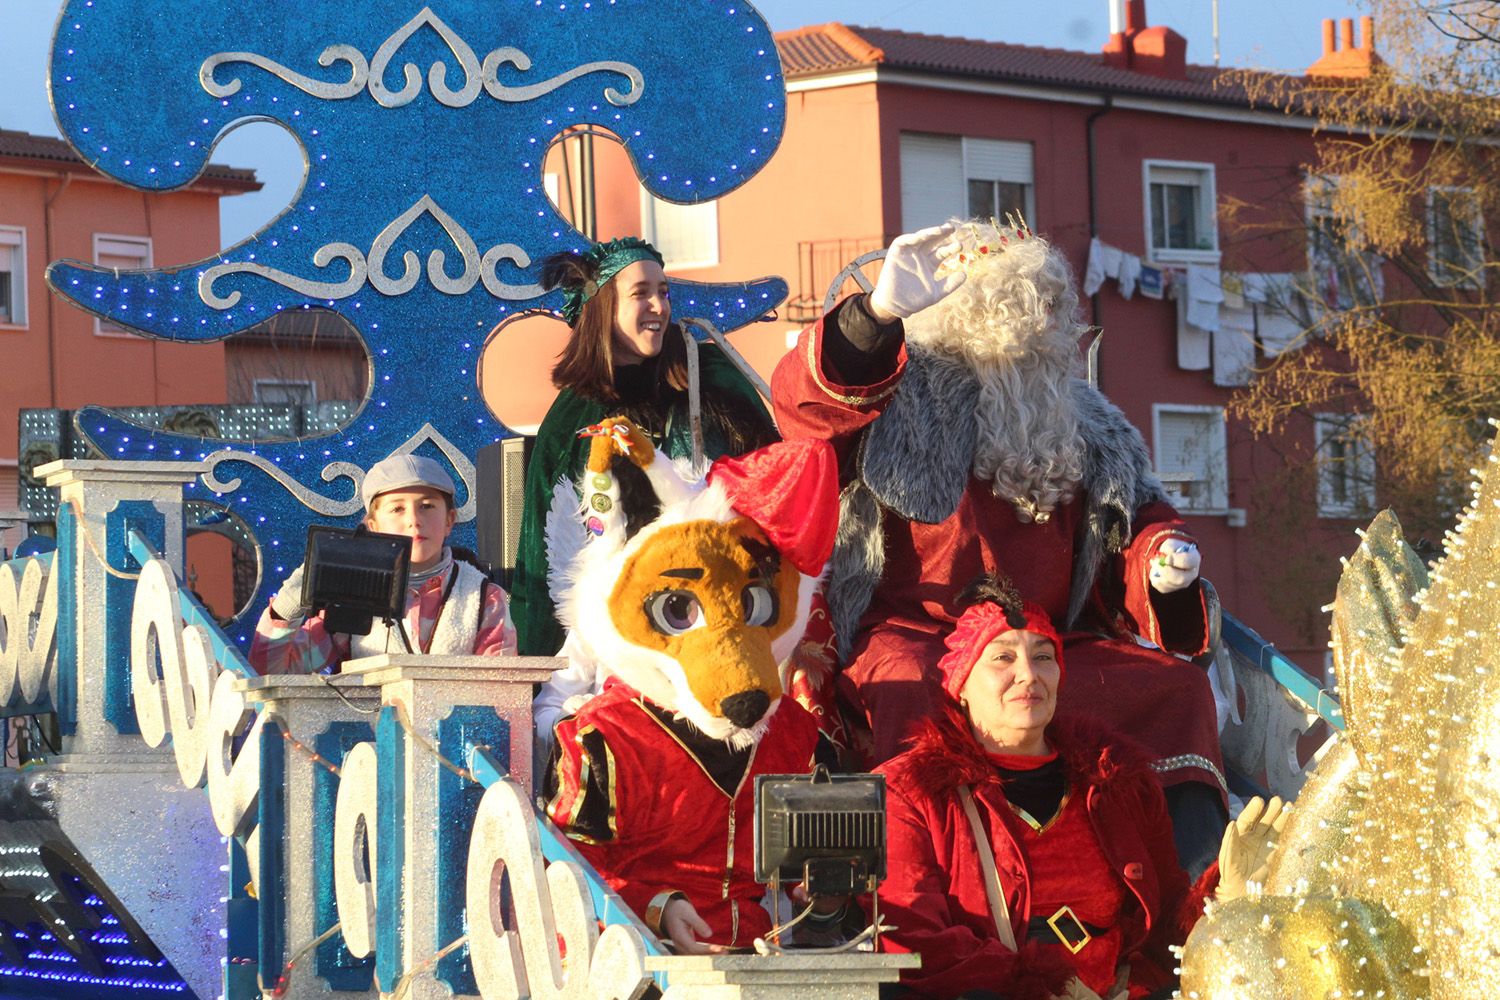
x: 746, y: 708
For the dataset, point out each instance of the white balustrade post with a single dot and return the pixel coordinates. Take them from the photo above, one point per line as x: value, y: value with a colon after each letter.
x: 311, y: 723
x: 99, y: 504
x: 435, y: 710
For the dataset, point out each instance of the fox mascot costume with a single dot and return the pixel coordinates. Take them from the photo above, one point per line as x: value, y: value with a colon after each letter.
x: 691, y: 594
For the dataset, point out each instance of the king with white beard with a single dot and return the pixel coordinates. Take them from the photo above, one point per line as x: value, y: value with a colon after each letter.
x: 968, y: 446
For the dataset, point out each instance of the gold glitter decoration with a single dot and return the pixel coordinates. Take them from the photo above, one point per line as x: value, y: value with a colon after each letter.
x: 1403, y: 817
x: 1280, y: 948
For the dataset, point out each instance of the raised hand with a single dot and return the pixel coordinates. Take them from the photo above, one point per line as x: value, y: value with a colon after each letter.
x: 913, y: 277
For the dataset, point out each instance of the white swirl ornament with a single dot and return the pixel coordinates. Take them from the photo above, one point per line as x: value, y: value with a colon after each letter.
x: 436, y: 74
x: 26, y: 659
x: 315, y: 502
x: 467, y: 249
x: 354, y: 869
x: 530, y: 92
x: 359, y: 73
x: 324, y: 256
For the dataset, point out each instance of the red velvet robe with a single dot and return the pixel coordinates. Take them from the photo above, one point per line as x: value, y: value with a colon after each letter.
x: 671, y: 827
x: 1160, y: 700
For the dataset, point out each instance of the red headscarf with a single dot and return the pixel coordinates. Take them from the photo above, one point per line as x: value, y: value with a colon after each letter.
x: 983, y: 623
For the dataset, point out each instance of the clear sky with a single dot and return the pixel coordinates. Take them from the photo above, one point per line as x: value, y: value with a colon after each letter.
x: 1268, y: 34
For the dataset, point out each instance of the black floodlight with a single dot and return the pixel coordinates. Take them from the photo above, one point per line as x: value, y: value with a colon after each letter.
x: 826, y: 831
x: 355, y: 576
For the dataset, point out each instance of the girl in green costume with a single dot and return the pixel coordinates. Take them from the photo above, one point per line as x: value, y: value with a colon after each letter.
x: 625, y: 358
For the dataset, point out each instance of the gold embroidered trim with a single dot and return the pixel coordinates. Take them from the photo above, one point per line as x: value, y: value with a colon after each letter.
x: 817, y: 376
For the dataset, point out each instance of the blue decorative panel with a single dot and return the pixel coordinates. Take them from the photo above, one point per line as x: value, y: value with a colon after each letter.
x: 119, y: 600
x: 65, y: 565
x: 242, y: 972
x: 340, y: 969
x: 272, y: 825
x: 390, y: 845
x: 422, y: 218
x: 466, y: 727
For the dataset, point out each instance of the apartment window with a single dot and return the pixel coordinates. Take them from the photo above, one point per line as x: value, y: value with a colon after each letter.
x: 281, y: 391
x: 1342, y: 274
x: 1192, y: 459
x: 1455, y: 237
x: 1181, y: 211
x: 122, y: 253
x: 943, y: 176
x: 686, y: 235
x: 12, y: 276
x: 1346, y: 465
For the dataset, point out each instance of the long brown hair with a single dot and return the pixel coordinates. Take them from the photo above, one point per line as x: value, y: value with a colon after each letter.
x: 586, y: 365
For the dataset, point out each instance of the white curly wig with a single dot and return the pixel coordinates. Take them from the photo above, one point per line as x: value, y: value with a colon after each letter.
x: 1015, y: 323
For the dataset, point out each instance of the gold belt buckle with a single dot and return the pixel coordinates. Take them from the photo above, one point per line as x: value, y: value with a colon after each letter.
x: 1067, y: 911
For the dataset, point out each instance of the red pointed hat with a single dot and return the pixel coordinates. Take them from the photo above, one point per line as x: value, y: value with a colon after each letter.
x: 791, y: 491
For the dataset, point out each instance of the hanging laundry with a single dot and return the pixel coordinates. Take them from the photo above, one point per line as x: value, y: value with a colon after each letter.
x: 1153, y: 282
x: 1204, y: 295
x: 1234, y: 347
x: 1130, y: 272
x: 1104, y: 262
x: 1194, y: 345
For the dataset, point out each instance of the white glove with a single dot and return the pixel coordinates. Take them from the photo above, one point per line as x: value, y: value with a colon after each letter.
x: 1175, y: 566
x: 1245, y: 852
x: 287, y: 604
x: 909, y: 279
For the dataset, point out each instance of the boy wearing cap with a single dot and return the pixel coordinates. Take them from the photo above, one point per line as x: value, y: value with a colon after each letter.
x: 451, y: 607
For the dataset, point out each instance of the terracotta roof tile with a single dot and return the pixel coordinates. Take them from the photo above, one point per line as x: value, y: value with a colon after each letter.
x: 25, y: 146
x: 831, y: 47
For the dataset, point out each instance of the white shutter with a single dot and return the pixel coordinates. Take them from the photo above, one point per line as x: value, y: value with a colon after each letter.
x: 13, y: 265
x: 1190, y: 448
x: 932, y: 180
x: 997, y: 160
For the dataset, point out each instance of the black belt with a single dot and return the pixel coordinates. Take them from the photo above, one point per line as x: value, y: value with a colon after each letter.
x: 1063, y: 928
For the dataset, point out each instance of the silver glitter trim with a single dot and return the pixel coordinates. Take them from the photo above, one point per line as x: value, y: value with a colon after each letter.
x: 1182, y: 760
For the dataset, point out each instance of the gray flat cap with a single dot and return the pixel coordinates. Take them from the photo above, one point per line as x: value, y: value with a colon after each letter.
x: 401, y: 472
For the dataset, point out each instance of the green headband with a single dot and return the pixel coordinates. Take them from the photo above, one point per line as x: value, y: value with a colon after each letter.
x: 611, y: 258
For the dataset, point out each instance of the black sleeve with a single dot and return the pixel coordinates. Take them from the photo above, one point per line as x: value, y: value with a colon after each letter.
x: 858, y: 349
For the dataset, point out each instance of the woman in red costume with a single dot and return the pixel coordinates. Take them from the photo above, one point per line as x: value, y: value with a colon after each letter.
x: 1030, y: 859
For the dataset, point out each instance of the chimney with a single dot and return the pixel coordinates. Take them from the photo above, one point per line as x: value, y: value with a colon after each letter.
x: 1134, y: 46
x: 1342, y: 59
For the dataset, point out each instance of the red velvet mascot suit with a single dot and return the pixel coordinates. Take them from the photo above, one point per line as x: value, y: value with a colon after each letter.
x: 693, y: 613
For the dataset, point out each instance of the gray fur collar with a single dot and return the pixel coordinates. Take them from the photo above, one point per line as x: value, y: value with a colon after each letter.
x: 916, y: 460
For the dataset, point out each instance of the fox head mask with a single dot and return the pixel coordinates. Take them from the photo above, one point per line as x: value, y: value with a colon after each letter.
x: 694, y: 591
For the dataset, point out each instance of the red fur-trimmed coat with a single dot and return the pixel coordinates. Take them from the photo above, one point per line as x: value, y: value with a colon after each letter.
x: 934, y: 893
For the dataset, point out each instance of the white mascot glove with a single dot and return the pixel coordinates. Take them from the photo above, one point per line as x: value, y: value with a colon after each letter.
x: 910, y: 280
x: 1175, y: 566
x: 1245, y: 853
x: 287, y: 604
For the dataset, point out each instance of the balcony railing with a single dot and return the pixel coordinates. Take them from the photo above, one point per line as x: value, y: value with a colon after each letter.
x: 819, y: 262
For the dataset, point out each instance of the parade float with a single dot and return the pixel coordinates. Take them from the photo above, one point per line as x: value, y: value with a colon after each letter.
x: 198, y: 830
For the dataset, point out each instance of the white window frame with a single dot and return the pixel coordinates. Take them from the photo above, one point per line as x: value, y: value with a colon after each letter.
x: 1218, y: 445
x: 964, y: 150
x: 708, y: 217
x: 310, y: 384
x: 1448, y: 277
x: 1360, y: 487
x: 1359, y: 264
x: 15, y: 238
x: 1208, y: 211
x: 119, y: 245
